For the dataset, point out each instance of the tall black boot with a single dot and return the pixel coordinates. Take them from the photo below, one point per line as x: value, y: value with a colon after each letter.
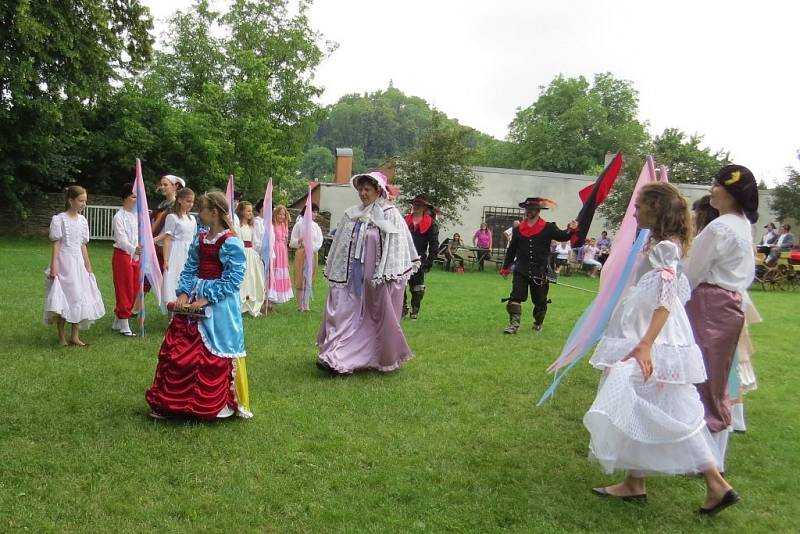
x: 514, y: 310
x: 417, y: 292
x: 405, y: 304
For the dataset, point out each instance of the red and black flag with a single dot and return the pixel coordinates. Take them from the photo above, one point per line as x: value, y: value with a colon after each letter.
x: 592, y: 196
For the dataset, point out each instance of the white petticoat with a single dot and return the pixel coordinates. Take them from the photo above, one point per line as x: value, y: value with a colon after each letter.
x: 650, y: 427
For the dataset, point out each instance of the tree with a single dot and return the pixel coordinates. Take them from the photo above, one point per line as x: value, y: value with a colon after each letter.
x: 574, y: 124
x: 237, y: 101
x: 318, y: 163
x: 687, y: 161
x: 439, y: 168
x: 786, y: 197
x: 57, y: 56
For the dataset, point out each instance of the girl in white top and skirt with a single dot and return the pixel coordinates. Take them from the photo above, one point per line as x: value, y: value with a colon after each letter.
x: 179, y: 231
x: 719, y: 275
x: 647, y: 416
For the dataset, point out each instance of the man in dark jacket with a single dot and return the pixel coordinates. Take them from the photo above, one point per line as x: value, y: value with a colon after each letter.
x: 425, y: 232
x: 529, y: 253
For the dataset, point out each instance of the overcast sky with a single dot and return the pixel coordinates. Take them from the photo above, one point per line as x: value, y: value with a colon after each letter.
x: 724, y: 69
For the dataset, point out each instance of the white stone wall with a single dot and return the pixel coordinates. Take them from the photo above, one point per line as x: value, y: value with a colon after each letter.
x: 509, y: 187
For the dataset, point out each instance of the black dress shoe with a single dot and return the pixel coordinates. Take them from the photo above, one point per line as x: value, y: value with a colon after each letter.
x: 729, y: 499
x: 603, y: 492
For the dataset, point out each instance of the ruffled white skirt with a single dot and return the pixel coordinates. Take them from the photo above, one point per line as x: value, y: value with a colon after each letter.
x: 73, y: 295
x: 650, y: 427
x: 251, y: 292
x: 656, y: 426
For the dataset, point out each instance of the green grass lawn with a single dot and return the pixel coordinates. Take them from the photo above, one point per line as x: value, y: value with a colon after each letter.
x: 451, y: 442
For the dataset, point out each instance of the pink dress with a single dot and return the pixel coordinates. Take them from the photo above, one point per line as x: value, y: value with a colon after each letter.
x: 280, y: 285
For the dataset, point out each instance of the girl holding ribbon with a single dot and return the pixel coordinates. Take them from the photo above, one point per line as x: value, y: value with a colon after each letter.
x: 647, y: 416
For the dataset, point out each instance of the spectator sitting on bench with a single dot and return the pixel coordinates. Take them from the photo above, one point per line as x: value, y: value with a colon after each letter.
x: 604, y: 246
x: 784, y: 242
x: 769, y: 238
x: 449, y: 249
x: 561, y: 255
x: 590, y: 251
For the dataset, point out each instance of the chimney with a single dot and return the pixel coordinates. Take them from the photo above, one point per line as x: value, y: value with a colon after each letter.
x: 344, y: 165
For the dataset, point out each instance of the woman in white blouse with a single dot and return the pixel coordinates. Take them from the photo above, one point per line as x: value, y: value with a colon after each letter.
x: 720, y: 269
x: 125, y: 261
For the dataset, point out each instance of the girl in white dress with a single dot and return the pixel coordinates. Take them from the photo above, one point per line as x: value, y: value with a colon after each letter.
x: 252, y: 290
x: 72, y: 293
x: 179, y: 231
x: 647, y: 416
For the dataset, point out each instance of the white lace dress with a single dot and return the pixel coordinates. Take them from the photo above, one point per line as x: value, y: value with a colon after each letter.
x: 656, y: 426
x: 73, y: 294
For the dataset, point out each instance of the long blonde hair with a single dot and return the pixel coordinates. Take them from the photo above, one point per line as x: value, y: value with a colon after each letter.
x: 669, y: 213
x: 214, y: 200
x: 281, y: 208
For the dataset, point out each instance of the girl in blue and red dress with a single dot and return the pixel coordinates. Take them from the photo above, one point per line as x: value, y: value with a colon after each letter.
x: 202, y: 352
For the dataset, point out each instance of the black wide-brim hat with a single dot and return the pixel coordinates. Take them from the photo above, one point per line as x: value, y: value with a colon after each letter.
x: 422, y: 200
x: 537, y: 203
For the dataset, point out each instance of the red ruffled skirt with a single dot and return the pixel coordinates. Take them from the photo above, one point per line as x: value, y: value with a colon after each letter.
x: 190, y: 380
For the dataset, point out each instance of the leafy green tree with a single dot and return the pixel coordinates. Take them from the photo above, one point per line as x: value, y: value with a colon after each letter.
x: 786, y: 197
x: 238, y: 101
x: 57, y: 56
x: 686, y: 160
x: 574, y: 124
x: 318, y: 164
x: 439, y: 168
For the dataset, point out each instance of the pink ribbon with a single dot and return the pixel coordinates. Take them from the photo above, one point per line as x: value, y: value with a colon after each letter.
x: 667, y: 273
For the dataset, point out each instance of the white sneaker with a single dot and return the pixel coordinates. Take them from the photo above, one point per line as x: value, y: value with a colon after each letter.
x: 115, y: 324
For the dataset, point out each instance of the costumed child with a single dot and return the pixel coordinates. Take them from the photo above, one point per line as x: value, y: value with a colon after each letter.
x: 252, y: 290
x: 719, y: 277
x: 168, y: 185
x: 647, y: 416
x: 280, y: 284
x: 200, y: 363
x: 300, y: 248
x: 72, y: 293
x: 179, y: 232
x: 125, y: 261
x: 742, y: 378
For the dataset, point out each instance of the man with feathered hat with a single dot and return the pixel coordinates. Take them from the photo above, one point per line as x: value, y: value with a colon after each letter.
x: 529, y: 253
x: 425, y: 232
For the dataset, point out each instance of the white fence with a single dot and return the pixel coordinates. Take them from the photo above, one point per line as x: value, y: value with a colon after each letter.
x: 101, y: 220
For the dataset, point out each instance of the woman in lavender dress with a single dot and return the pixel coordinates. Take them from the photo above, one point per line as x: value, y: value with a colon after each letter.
x: 370, y: 260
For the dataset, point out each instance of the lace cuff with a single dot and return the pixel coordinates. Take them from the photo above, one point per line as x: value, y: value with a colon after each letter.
x: 668, y: 290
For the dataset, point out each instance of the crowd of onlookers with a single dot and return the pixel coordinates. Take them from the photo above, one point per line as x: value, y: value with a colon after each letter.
x: 453, y: 251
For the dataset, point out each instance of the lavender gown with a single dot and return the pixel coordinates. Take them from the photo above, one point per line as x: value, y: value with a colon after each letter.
x: 361, y: 329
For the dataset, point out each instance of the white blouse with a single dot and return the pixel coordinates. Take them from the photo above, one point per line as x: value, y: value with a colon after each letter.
x: 181, y: 228
x: 722, y: 255
x: 126, y: 231
x: 297, y: 233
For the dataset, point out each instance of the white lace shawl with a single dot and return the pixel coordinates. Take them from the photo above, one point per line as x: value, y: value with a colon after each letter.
x: 397, y: 258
